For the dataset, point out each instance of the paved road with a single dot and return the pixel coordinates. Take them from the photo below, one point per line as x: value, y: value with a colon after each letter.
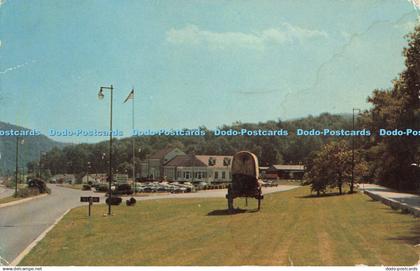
x: 21, y: 224
x: 410, y: 199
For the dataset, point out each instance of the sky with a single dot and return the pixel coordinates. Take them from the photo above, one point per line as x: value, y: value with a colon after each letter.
x: 194, y: 63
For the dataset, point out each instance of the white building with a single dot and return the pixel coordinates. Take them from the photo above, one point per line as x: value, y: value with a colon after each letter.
x: 153, y: 166
x: 199, y: 168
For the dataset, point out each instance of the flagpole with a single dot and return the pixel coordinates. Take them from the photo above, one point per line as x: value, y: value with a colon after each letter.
x: 134, y: 164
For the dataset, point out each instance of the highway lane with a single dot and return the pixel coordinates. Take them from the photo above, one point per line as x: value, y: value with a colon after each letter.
x: 22, y: 223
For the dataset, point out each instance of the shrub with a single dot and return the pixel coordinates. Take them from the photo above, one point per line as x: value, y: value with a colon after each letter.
x: 131, y: 202
x: 38, y: 184
x: 86, y: 187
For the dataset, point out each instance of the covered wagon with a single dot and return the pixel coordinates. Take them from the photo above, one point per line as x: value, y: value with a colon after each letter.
x: 244, y: 178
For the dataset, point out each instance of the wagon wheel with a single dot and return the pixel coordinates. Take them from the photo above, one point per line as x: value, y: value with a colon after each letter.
x: 229, y: 197
x: 230, y: 204
x: 260, y: 197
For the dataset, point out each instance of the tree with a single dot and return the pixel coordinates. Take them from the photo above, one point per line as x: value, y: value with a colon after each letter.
x: 330, y: 167
x: 398, y: 108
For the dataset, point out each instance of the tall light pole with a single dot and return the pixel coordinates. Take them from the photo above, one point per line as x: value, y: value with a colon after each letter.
x: 131, y: 96
x: 352, y: 155
x: 101, y: 96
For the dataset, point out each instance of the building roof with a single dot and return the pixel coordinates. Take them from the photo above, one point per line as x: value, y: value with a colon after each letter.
x: 288, y: 167
x: 188, y: 160
x: 215, y: 160
x: 160, y: 154
x: 200, y: 161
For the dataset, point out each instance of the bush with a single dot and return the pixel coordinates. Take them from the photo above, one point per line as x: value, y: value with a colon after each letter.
x: 86, y: 187
x: 131, y: 202
x: 38, y: 184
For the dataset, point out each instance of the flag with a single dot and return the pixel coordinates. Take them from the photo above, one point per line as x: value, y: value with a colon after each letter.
x: 130, y: 96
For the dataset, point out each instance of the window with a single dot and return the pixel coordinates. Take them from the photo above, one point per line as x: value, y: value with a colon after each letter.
x: 212, y: 161
x: 186, y: 175
x: 216, y: 175
x: 223, y: 175
x: 200, y: 174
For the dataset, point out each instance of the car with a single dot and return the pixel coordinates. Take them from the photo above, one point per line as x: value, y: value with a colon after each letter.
x: 123, y: 189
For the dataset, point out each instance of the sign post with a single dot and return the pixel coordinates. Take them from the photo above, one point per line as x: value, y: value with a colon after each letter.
x: 90, y: 200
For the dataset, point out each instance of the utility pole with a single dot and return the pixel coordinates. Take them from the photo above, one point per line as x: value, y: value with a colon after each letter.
x: 17, y: 166
x: 352, y: 154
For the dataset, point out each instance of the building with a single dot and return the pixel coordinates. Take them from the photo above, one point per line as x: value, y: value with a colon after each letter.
x: 286, y: 171
x: 64, y: 178
x: 152, y: 167
x: 263, y: 172
x: 199, y: 168
x: 95, y: 178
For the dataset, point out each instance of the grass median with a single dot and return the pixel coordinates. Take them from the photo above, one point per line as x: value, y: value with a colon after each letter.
x: 290, y: 229
x: 9, y: 199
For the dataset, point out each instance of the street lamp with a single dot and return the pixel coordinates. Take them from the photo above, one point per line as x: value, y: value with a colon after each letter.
x: 352, y: 154
x: 100, y: 97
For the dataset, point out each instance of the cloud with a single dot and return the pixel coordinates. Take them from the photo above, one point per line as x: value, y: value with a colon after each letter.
x: 2, y: 2
x: 287, y: 33
x: 19, y: 66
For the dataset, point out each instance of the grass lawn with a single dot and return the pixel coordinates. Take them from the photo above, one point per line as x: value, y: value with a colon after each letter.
x: 9, y: 199
x: 290, y: 229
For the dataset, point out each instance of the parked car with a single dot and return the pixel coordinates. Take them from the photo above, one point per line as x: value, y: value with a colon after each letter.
x: 123, y: 189
x: 114, y: 200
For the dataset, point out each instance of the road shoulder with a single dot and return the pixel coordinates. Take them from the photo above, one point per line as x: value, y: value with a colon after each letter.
x: 7, y: 204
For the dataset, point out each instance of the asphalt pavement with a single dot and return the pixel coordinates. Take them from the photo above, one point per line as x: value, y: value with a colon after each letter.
x: 412, y: 200
x: 22, y: 223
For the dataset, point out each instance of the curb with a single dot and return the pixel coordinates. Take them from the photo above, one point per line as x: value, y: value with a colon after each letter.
x: 22, y: 200
x: 28, y: 249
x: 395, y: 205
